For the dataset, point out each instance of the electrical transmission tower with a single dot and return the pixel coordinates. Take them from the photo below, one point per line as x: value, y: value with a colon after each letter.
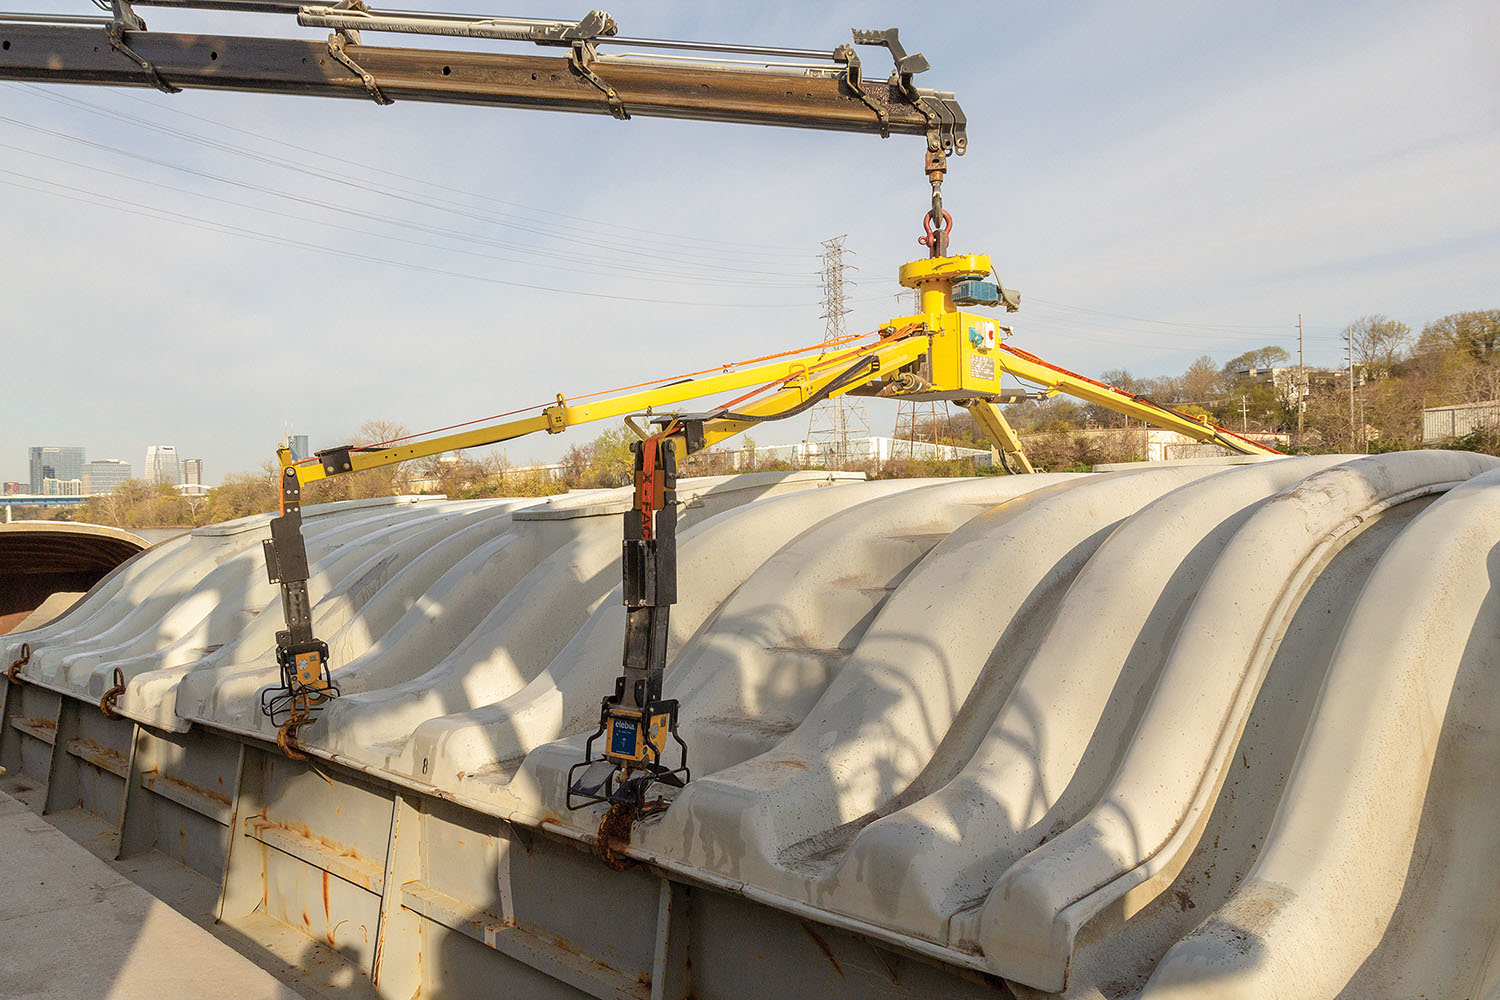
x: 919, y: 424
x: 836, y: 421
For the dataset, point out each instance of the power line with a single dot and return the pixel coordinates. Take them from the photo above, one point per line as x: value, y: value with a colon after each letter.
x: 1074, y: 329
x: 757, y: 249
x: 589, y: 231
x: 1207, y: 332
x: 1234, y: 327
x: 570, y: 258
x: 71, y: 193
x: 329, y: 224
x: 1207, y: 341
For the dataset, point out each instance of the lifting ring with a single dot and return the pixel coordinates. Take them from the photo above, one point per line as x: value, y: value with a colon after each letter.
x: 930, y: 238
x: 14, y: 673
x: 111, y: 698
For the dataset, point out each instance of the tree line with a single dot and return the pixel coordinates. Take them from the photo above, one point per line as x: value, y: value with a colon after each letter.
x: 1396, y: 374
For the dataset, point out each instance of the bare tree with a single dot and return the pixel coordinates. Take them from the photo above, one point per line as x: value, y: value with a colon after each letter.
x: 107, y: 507
x: 195, y: 502
x: 1379, y: 342
x: 384, y: 482
x: 1102, y: 416
x: 1202, y: 381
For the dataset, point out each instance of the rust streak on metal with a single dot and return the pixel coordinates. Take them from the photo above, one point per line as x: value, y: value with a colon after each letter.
x: 614, y: 838
x: 823, y: 947
x: 335, y: 846
x: 101, y: 750
x: 362, y: 872
x: 162, y: 777
x: 98, y: 754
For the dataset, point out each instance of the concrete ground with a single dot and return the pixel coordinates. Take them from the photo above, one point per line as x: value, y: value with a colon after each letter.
x: 73, y: 928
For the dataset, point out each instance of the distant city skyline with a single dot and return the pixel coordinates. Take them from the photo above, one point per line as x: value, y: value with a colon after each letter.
x: 66, y: 470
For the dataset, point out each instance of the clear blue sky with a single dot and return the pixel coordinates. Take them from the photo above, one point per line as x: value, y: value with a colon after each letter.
x: 1160, y: 180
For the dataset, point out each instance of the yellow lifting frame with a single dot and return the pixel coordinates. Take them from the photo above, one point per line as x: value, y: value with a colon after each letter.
x: 955, y: 362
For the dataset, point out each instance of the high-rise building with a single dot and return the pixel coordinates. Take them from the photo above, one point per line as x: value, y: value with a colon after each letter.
x: 12, y: 489
x: 104, y: 475
x: 192, y: 472
x: 52, y: 462
x: 162, y: 465
x: 62, y: 487
x: 299, y: 447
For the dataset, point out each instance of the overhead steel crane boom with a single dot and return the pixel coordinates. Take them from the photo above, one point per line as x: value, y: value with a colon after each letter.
x: 942, y: 352
x: 825, y: 89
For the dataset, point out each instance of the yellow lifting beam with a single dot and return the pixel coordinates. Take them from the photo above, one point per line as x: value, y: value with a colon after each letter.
x: 795, y: 382
x: 1031, y: 369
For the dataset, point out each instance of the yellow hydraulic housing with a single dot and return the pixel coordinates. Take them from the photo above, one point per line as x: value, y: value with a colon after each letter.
x: 968, y: 357
x: 963, y: 353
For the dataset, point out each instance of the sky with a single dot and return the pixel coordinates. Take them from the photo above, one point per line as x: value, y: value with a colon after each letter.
x: 1159, y: 180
